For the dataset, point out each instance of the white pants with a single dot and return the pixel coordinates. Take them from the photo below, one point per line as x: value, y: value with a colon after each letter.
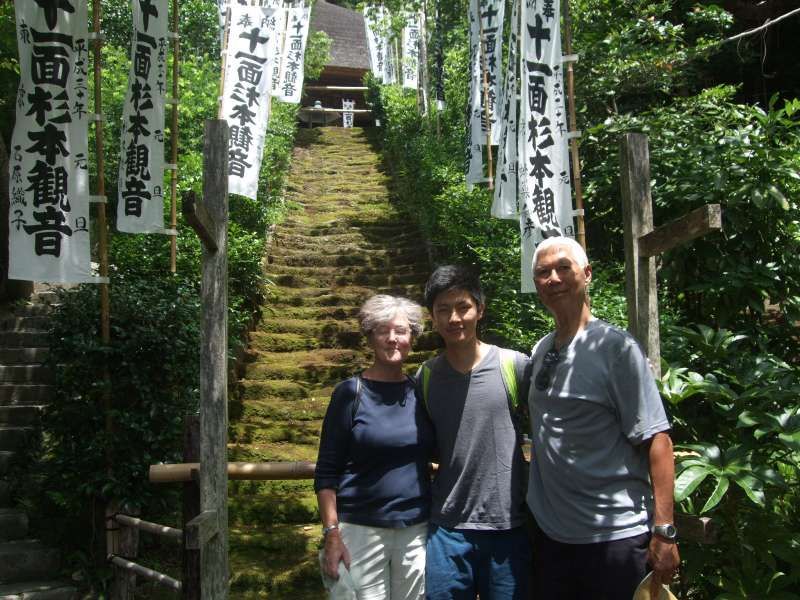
x: 386, y: 564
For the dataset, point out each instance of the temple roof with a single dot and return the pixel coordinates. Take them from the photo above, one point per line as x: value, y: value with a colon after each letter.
x: 346, y: 29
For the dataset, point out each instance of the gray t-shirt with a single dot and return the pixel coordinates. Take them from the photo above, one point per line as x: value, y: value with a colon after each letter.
x: 590, y: 477
x: 479, y: 484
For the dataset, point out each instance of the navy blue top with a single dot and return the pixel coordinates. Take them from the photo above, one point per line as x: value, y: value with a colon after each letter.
x: 377, y: 461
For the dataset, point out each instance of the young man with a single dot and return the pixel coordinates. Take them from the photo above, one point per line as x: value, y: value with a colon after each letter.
x: 602, y: 476
x: 476, y: 543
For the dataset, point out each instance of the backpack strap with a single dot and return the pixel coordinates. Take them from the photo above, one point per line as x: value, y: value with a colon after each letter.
x: 424, y: 381
x: 356, y: 401
x: 509, y: 373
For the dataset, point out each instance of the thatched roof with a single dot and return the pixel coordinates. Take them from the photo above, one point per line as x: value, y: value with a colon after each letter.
x: 346, y: 29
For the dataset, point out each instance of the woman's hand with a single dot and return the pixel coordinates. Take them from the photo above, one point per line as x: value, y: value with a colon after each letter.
x: 333, y: 552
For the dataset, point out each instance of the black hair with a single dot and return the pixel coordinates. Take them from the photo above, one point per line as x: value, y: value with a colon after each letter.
x: 453, y: 277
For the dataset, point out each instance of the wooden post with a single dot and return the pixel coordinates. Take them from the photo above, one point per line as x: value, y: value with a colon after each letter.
x: 191, y: 508
x: 123, y: 586
x: 643, y: 243
x: 214, y: 364
x: 640, y: 276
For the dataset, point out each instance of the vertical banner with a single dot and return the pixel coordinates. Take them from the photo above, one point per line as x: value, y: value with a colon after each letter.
x: 48, y: 157
x: 411, y: 36
x: 492, y: 17
x: 505, y: 204
x: 544, y: 160
x: 246, y: 97
x: 439, y: 61
x: 376, y: 42
x: 347, y: 113
x: 291, y: 80
x: 278, y: 48
x: 140, y: 207
x: 476, y: 135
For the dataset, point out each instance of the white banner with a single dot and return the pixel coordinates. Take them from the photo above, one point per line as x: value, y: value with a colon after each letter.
x: 411, y: 38
x: 140, y: 205
x: 246, y: 98
x: 492, y: 17
x: 291, y: 80
x: 505, y: 204
x: 48, y: 158
x: 476, y: 137
x: 277, y: 48
x: 376, y: 42
x: 347, y: 112
x: 544, y: 160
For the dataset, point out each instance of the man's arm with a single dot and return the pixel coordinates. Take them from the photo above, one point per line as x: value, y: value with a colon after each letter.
x: 662, y: 555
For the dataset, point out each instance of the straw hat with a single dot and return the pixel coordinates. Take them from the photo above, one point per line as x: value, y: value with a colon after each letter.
x: 643, y: 591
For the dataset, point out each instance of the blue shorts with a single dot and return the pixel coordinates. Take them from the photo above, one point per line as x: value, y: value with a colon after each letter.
x: 462, y: 563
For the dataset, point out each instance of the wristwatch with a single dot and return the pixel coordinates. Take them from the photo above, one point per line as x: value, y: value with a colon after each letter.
x: 666, y: 532
x: 328, y: 529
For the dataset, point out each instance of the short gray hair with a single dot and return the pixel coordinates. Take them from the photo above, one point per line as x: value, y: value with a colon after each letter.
x: 382, y: 308
x: 573, y: 248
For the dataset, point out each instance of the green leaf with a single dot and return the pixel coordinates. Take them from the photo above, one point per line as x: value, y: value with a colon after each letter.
x: 716, y: 495
x: 688, y: 480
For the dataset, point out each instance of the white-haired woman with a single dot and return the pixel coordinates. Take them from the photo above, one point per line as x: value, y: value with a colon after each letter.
x: 372, y: 478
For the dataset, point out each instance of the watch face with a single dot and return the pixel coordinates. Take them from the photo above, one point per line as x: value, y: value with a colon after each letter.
x: 666, y: 531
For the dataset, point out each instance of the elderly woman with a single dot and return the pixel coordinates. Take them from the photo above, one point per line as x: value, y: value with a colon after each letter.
x: 372, y: 479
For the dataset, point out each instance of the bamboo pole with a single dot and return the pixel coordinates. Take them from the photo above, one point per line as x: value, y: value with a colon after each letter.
x: 224, y: 51
x: 102, y: 226
x: 573, y: 143
x: 485, y: 70
x: 173, y: 211
x: 243, y: 471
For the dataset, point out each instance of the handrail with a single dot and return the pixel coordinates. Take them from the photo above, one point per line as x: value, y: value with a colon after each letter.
x: 149, y: 574
x: 149, y: 527
x: 243, y: 471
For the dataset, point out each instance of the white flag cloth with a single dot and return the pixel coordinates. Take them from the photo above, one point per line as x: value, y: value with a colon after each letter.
x: 291, y: 80
x: 492, y: 17
x: 246, y: 98
x: 411, y: 38
x: 505, y: 205
x: 277, y: 47
x: 347, y: 112
x: 140, y: 207
x: 476, y: 136
x: 544, y: 160
x: 48, y: 162
x: 376, y: 42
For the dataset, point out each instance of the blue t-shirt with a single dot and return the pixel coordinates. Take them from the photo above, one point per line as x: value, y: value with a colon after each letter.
x: 378, y: 460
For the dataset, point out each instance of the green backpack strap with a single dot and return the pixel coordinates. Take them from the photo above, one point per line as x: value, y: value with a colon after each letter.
x: 424, y: 377
x: 509, y: 373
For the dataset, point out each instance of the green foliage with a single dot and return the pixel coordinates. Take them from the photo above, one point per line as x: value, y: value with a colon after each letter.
x: 317, y: 54
x: 153, y: 358
x: 708, y: 149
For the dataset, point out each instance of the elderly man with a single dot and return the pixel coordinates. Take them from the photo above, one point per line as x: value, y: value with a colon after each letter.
x: 602, y: 475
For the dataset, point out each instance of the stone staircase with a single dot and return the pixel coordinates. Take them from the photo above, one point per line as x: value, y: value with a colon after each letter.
x: 26, y: 385
x: 343, y: 242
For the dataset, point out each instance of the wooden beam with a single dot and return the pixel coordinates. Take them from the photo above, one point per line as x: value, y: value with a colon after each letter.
x: 335, y: 110
x: 640, y: 271
x: 214, y: 363
x: 696, y: 529
x: 191, y: 507
x: 340, y: 88
x: 198, y: 219
x: 201, y: 529
x: 692, y: 225
x: 242, y: 471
